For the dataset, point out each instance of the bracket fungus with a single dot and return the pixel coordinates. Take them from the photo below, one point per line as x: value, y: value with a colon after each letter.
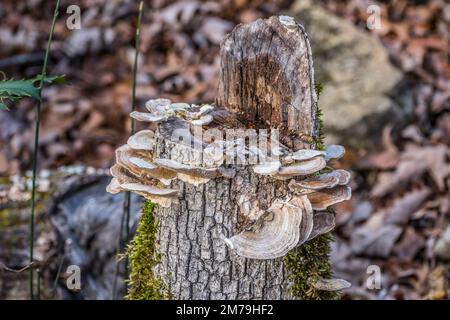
x: 323, y: 222
x: 147, y: 166
x: 334, y: 151
x: 124, y: 180
x: 302, y: 155
x: 267, y: 168
x: 142, y: 140
x: 302, y: 168
x: 279, y: 230
x: 140, y: 165
x: 331, y: 284
x: 324, y: 198
x: 187, y: 173
x: 322, y: 181
x: 138, y: 171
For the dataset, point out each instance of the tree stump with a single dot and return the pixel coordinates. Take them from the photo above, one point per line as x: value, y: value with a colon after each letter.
x: 266, y: 82
x: 266, y: 77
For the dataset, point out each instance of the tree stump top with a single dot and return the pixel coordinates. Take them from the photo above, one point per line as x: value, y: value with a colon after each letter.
x: 267, y: 78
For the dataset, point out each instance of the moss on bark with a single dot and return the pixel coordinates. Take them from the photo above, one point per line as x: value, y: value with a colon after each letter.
x: 143, y: 258
x: 306, y: 264
x: 311, y: 261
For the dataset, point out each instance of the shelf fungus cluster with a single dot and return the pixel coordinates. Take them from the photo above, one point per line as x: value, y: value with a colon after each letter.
x: 299, y: 216
x: 137, y: 167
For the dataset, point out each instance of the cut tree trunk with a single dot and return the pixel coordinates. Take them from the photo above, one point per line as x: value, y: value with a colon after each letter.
x: 267, y: 80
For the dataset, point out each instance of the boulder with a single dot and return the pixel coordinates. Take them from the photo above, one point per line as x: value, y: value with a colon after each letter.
x: 355, y: 74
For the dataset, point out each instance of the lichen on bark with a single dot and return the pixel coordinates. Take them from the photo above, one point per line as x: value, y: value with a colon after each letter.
x: 143, y: 284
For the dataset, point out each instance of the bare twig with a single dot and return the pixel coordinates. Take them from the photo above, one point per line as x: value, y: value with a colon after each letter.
x: 6, y: 268
x: 127, y: 200
x: 58, y: 273
x: 118, y: 249
x: 38, y: 271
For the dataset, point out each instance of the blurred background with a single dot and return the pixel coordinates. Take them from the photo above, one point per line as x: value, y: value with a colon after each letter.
x: 383, y: 68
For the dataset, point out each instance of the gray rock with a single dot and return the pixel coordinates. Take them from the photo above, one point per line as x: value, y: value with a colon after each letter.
x: 353, y: 69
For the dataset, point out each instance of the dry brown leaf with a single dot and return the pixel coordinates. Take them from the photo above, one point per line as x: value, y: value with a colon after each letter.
x: 404, y: 207
x: 410, y: 244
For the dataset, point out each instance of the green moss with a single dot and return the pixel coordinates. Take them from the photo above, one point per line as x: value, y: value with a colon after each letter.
x: 4, y: 218
x: 320, y: 136
x: 10, y: 217
x: 306, y: 264
x: 319, y: 89
x: 310, y: 261
x: 5, y: 181
x: 144, y: 285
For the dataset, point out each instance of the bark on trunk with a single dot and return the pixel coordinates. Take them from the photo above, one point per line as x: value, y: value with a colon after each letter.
x: 267, y: 80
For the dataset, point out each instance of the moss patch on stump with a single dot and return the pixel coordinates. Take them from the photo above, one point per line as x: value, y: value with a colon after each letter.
x: 143, y: 258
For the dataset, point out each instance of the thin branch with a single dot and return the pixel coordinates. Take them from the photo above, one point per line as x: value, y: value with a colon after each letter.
x: 38, y: 271
x: 6, y: 268
x: 133, y: 107
x: 118, y: 249
x: 22, y: 59
x: 126, y: 214
x: 36, y: 146
x: 58, y: 273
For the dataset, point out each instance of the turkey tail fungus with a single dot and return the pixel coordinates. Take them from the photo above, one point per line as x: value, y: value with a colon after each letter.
x: 235, y: 219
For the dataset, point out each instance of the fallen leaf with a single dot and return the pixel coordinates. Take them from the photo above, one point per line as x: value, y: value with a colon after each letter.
x: 404, y: 207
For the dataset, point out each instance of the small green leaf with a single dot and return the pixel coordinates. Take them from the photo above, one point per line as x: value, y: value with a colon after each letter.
x: 13, y: 90
x: 18, y: 89
x: 61, y: 79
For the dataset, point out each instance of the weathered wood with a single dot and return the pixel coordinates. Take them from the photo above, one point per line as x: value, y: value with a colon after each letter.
x: 267, y: 79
